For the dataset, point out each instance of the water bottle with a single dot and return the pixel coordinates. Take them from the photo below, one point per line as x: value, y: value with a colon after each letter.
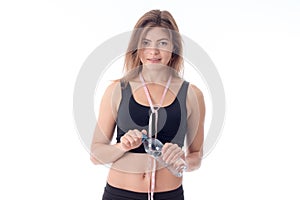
x: 154, y: 148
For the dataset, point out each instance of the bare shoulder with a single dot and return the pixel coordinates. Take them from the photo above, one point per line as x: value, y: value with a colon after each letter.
x: 113, y: 85
x: 194, y: 97
x: 194, y: 92
x: 112, y: 94
x: 111, y: 89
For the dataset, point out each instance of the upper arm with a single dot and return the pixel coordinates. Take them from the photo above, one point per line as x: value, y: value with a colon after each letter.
x: 196, y: 117
x: 107, y: 115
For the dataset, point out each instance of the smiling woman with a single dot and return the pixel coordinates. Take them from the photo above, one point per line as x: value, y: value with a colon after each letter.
x: 151, y: 98
x: 156, y: 47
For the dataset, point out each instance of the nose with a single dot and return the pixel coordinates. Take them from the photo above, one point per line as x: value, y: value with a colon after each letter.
x: 153, y: 50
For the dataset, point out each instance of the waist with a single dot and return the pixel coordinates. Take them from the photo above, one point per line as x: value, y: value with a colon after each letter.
x: 119, y: 192
x: 132, y: 172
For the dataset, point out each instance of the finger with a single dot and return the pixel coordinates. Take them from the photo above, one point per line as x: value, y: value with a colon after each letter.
x: 172, y: 153
x: 130, y: 139
x: 166, y: 151
x: 174, y: 156
x: 180, y: 163
x: 131, y: 134
x: 166, y: 147
x: 125, y: 143
x: 144, y: 132
x: 136, y: 135
x: 137, y: 138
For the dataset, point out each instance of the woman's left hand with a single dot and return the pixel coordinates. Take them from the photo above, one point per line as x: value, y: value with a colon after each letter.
x: 171, y: 153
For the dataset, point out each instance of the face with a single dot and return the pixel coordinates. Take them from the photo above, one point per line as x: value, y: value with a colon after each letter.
x: 156, y: 47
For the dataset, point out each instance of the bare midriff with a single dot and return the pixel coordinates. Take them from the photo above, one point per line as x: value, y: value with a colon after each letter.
x: 131, y: 172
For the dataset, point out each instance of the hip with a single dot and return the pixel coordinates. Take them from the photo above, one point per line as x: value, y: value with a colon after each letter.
x: 114, y: 193
x: 140, y: 182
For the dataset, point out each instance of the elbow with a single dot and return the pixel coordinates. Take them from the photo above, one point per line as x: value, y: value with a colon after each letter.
x: 94, y: 160
x: 97, y: 155
x: 193, y: 166
x: 198, y: 165
x: 194, y: 162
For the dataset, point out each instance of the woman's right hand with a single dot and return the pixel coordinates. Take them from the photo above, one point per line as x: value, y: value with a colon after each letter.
x: 132, y: 139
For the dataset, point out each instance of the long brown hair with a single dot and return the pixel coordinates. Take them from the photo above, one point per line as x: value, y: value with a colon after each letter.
x: 153, y: 18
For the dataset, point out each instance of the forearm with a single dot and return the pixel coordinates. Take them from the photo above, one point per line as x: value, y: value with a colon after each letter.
x: 106, y: 153
x: 193, y: 161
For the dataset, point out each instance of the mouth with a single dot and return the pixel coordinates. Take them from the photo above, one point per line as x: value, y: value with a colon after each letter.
x: 154, y: 60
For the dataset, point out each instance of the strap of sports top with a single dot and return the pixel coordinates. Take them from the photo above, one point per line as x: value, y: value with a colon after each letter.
x: 154, y: 111
x: 148, y: 94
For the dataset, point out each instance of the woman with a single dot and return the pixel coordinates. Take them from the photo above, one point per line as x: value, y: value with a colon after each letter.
x: 150, y: 91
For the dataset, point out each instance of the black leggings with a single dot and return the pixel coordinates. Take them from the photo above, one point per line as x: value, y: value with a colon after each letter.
x: 112, y: 193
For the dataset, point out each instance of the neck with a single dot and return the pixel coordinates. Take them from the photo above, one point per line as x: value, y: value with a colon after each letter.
x: 156, y: 73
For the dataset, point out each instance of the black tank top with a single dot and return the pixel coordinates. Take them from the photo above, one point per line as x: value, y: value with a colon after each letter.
x: 172, y: 119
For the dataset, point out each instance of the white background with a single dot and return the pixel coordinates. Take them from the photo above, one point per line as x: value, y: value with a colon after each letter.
x: 254, y: 45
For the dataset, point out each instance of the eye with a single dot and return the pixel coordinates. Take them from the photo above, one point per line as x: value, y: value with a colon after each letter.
x: 163, y: 43
x: 145, y: 43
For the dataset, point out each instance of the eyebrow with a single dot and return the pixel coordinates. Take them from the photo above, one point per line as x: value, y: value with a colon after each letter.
x: 157, y: 40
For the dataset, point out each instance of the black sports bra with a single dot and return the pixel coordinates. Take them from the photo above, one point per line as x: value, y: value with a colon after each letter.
x: 172, y: 119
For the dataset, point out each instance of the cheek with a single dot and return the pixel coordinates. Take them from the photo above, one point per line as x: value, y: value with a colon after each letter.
x: 141, y: 55
x: 167, y: 56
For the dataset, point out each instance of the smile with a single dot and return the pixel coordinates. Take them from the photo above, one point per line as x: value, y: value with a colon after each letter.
x: 154, y: 60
